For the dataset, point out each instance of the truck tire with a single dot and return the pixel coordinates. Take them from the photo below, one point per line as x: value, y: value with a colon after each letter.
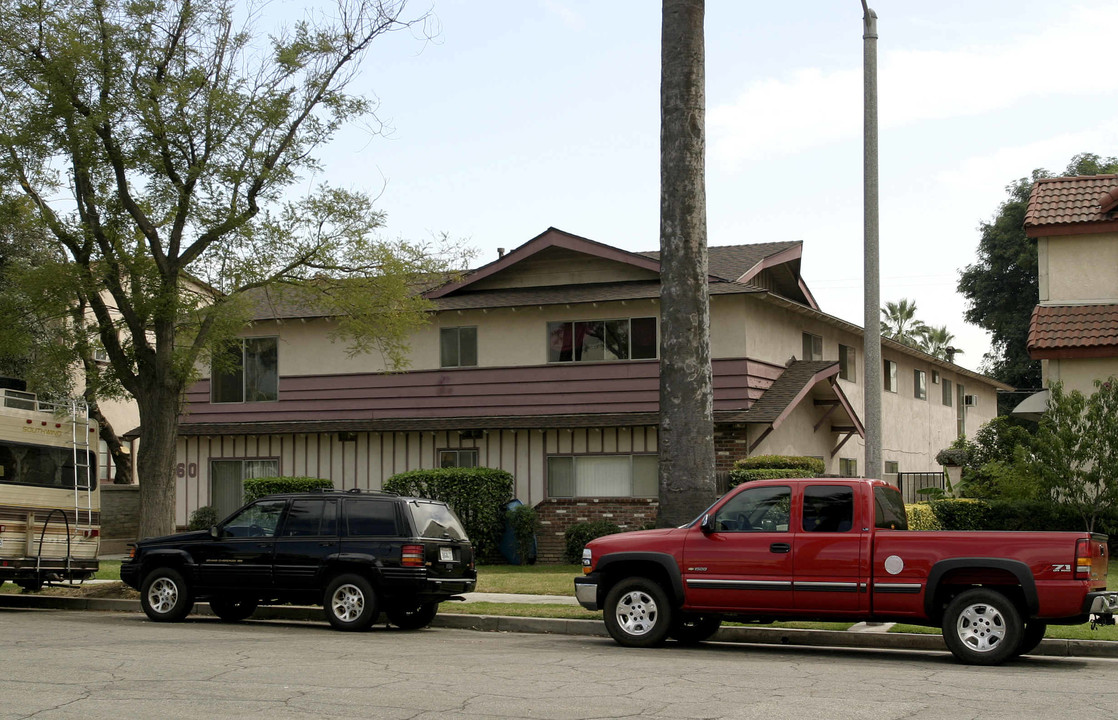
x: 637, y: 613
x: 982, y: 627
x: 1034, y: 633
x: 350, y: 603
x: 165, y: 595
x: 693, y: 629
x: 232, y: 611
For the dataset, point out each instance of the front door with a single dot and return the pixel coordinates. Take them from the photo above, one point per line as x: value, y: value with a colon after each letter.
x: 742, y: 559
x: 241, y: 556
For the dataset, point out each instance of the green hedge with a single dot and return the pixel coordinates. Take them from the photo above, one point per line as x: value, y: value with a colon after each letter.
x: 921, y: 517
x: 478, y: 496
x: 579, y: 534
x: 774, y: 467
x: 259, y: 487
x: 1040, y: 516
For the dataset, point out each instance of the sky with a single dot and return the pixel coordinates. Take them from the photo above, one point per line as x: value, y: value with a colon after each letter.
x: 522, y: 115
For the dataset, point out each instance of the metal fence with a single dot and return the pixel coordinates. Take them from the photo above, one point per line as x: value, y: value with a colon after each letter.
x: 911, y: 484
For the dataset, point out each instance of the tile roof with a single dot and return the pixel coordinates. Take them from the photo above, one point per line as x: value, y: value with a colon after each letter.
x: 1057, y: 327
x: 730, y: 262
x: 1064, y: 200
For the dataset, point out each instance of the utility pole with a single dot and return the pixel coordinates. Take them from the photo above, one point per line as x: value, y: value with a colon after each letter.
x: 872, y: 298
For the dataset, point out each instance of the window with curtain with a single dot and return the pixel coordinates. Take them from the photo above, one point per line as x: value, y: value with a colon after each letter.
x: 248, y: 371
x: 602, y: 476
x: 602, y: 340
x: 227, y: 481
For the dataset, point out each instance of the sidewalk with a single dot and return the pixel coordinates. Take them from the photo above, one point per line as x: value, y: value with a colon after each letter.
x: 863, y: 635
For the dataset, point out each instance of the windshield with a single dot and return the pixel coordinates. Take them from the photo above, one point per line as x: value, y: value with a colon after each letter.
x: 436, y: 520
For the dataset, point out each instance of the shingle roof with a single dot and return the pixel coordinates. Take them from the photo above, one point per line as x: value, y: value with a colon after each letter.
x: 730, y: 262
x: 1061, y: 327
x: 1070, y: 200
x: 560, y: 294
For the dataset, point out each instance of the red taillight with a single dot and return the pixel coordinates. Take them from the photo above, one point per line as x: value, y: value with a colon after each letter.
x: 1083, y: 558
x: 413, y: 556
x: 95, y: 532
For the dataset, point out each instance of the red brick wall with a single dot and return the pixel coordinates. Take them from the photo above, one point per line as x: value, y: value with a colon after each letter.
x: 558, y: 514
x: 730, y: 444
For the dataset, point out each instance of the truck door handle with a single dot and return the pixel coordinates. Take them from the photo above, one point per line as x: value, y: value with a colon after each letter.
x: 780, y: 548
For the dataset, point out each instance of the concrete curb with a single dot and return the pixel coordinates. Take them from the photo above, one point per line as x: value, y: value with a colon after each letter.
x: 595, y: 628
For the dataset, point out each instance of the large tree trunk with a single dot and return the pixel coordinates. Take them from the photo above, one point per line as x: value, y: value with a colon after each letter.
x: 159, y: 422
x: 122, y: 459
x: 686, y: 439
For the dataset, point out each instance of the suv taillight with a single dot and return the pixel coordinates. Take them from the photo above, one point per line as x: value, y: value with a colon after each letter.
x: 413, y: 556
x: 1083, y: 558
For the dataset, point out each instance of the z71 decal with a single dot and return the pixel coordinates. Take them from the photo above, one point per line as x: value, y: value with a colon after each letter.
x: 1061, y: 568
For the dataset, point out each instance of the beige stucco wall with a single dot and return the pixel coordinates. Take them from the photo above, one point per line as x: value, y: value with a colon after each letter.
x: 1080, y: 374
x: 1078, y: 268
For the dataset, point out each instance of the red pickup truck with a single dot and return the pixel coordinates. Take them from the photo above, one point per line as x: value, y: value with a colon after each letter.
x: 840, y: 549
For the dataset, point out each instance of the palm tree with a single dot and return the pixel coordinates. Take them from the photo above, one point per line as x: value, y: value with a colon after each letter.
x: 936, y: 341
x: 899, y: 322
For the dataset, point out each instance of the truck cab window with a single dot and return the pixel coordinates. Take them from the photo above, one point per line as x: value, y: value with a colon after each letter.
x: 828, y: 508
x: 889, y: 512
x: 763, y: 509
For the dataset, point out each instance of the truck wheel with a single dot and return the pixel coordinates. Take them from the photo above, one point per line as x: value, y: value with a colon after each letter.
x: 165, y: 595
x: 413, y: 618
x: 232, y: 611
x: 982, y: 627
x: 350, y: 603
x: 693, y: 629
x: 1034, y: 633
x: 637, y: 613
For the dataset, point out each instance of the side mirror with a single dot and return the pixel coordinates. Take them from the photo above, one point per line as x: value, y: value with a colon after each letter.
x: 705, y: 524
x: 214, y: 532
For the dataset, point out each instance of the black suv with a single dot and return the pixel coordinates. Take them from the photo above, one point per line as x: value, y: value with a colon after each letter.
x: 356, y: 553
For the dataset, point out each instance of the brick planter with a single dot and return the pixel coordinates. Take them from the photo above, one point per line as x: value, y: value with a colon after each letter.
x: 558, y: 514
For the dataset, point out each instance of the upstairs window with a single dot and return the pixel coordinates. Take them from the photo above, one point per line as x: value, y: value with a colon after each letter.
x: 458, y: 347
x: 248, y: 371
x: 890, y: 376
x: 813, y: 347
x: 947, y: 392
x: 847, y: 367
x: 465, y: 458
x: 920, y: 384
x: 602, y: 340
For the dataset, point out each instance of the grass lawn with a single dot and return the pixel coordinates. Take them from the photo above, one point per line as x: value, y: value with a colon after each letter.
x: 109, y: 570
x: 528, y: 579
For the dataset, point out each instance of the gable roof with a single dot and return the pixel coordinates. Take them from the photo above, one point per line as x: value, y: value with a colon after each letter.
x: 1079, y: 331
x: 1072, y: 206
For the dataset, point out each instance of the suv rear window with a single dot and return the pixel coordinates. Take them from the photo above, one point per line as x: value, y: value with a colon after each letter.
x: 370, y: 517
x: 435, y: 520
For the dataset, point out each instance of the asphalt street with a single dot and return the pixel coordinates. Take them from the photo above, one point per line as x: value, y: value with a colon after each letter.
x: 61, y: 664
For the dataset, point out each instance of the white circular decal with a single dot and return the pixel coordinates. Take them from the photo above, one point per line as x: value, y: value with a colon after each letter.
x: 894, y: 564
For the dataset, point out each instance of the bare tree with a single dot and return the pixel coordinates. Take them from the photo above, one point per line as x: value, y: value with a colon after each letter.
x: 686, y: 389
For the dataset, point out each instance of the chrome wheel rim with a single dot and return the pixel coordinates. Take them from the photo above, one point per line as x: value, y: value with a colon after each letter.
x: 348, y: 602
x: 163, y: 595
x: 981, y: 627
x: 636, y: 612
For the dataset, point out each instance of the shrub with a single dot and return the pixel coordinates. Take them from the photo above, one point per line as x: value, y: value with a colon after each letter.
x: 579, y: 534
x: 525, y: 523
x: 774, y: 467
x: 203, y: 518
x: 962, y: 514
x: 259, y: 487
x: 921, y: 517
x: 478, y: 496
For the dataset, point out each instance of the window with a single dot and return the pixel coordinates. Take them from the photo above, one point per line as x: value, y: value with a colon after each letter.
x: 828, y: 508
x: 42, y: 466
x: 246, y: 372
x: 598, y: 340
x: 370, y: 517
x: 935, y: 377
x: 892, y: 467
x: 458, y: 458
x: 458, y: 347
x: 227, y: 477
x: 847, y: 366
x: 602, y: 476
x: 813, y: 347
x: 764, y: 509
x: 256, y: 520
x: 890, y: 376
x: 848, y: 467
x: 889, y: 512
x: 947, y: 392
x: 311, y: 518
x: 920, y: 384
